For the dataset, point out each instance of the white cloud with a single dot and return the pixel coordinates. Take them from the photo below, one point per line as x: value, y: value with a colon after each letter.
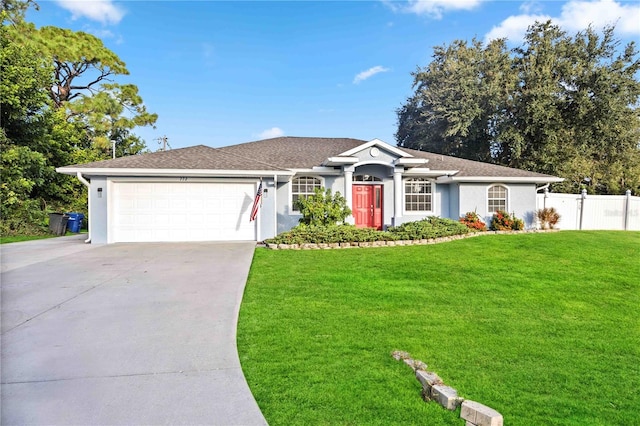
x: 531, y: 6
x: 103, y: 34
x: 104, y: 11
x: 369, y: 73
x: 432, y: 8
x: 273, y: 132
x: 576, y: 15
x: 514, y: 27
x: 100, y: 33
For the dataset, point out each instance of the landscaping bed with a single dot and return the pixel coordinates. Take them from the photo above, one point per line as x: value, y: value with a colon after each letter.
x: 431, y: 230
x: 393, y: 243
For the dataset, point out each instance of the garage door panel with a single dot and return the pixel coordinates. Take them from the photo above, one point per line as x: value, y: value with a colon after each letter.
x: 160, y: 211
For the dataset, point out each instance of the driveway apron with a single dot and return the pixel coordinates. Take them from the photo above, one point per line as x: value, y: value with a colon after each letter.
x: 123, y: 333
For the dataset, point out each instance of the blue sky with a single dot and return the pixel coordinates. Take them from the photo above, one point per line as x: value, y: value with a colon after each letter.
x: 220, y: 73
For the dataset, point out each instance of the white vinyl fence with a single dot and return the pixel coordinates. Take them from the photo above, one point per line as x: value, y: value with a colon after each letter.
x: 582, y: 211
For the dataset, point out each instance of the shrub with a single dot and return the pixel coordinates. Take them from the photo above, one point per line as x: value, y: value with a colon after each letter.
x: 321, y: 234
x: 473, y: 222
x: 548, y: 217
x: 503, y: 221
x: 431, y: 227
x: 25, y: 218
x: 323, y: 208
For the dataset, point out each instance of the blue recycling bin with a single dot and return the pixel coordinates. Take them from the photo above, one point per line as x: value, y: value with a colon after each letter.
x: 74, y: 224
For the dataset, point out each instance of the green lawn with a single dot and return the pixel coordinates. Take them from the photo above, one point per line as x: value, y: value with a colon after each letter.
x: 545, y: 328
x: 21, y: 238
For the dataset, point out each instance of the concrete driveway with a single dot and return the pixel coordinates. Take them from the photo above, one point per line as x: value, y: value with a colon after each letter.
x: 123, y: 333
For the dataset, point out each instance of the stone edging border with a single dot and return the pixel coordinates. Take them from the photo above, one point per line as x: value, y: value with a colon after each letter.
x: 434, y: 389
x: 325, y: 246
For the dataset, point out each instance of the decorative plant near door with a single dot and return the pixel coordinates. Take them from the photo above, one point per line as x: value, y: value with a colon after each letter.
x: 323, y: 208
x: 473, y: 221
x: 503, y: 221
x: 548, y: 217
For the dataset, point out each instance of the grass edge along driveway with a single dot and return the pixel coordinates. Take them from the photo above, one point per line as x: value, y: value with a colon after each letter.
x: 542, y: 327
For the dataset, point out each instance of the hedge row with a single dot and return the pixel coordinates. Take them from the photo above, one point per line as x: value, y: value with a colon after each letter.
x: 432, y: 227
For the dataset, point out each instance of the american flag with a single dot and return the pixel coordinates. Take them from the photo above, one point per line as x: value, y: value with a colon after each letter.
x: 256, y: 204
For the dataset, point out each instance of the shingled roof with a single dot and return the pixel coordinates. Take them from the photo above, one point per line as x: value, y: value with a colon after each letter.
x: 305, y: 153
x: 285, y: 153
x: 294, y: 152
x: 470, y: 168
x: 197, y: 157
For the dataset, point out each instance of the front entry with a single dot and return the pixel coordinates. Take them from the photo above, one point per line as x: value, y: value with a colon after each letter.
x: 367, y: 206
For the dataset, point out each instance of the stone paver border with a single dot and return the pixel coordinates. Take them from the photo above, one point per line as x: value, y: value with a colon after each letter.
x: 350, y: 245
x: 434, y: 389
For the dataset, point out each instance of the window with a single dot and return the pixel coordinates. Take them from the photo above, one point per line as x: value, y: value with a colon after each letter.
x: 366, y: 178
x: 418, y: 195
x: 497, y: 198
x: 302, y: 187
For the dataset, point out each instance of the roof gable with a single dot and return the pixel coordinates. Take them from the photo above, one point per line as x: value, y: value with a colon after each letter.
x: 380, y: 145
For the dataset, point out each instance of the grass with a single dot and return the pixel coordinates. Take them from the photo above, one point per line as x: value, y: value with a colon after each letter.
x: 20, y: 238
x: 542, y: 327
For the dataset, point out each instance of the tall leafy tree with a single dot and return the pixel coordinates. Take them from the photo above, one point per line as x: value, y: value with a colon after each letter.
x: 460, y: 99
x: 557, y: 104
x: 59, y: 104
x: 83, y: 74
x: 22, y: 98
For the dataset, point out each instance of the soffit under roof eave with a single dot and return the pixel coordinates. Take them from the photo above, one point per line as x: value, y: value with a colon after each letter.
x: 512, y: 179
x: 410, y: 162
x: 417, y: 171
x: 340, y: 161
x: 171, y: 172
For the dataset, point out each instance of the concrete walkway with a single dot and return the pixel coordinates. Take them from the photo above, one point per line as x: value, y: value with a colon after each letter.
x: 123, y: 333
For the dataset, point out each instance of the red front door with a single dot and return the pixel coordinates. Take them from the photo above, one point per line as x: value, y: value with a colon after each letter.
x: 367, y: 206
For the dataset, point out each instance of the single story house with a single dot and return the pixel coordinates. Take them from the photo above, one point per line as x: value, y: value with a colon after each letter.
x: 206, y: 194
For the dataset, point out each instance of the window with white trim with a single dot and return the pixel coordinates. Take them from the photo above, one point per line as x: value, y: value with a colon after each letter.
x: 302, y: 187
x: 418, y: 195
x: 497, y: 198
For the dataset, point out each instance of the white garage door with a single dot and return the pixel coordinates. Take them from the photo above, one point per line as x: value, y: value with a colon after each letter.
x: 181, y: 211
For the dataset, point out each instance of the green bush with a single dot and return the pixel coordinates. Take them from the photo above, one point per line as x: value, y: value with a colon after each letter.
x: 320, y: 234
x: 503, y: 221
x: 431, y: 227
x: 323, y: 208
x: 24, y: 218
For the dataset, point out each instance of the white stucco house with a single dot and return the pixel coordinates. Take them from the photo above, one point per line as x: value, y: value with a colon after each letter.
x: 206, y: 194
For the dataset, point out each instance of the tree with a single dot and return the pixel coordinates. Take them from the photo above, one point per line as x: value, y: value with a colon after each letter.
x: 459, y: 104
x: 561, y: 105
x: 83, y: 72
x: 59, y: 105
x: 81, y: 62
x: 323, y: 208
x: 23, y: 167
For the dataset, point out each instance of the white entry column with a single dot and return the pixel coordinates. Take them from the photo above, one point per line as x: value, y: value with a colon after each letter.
x: 397, y: 194
x: 348, y: 192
